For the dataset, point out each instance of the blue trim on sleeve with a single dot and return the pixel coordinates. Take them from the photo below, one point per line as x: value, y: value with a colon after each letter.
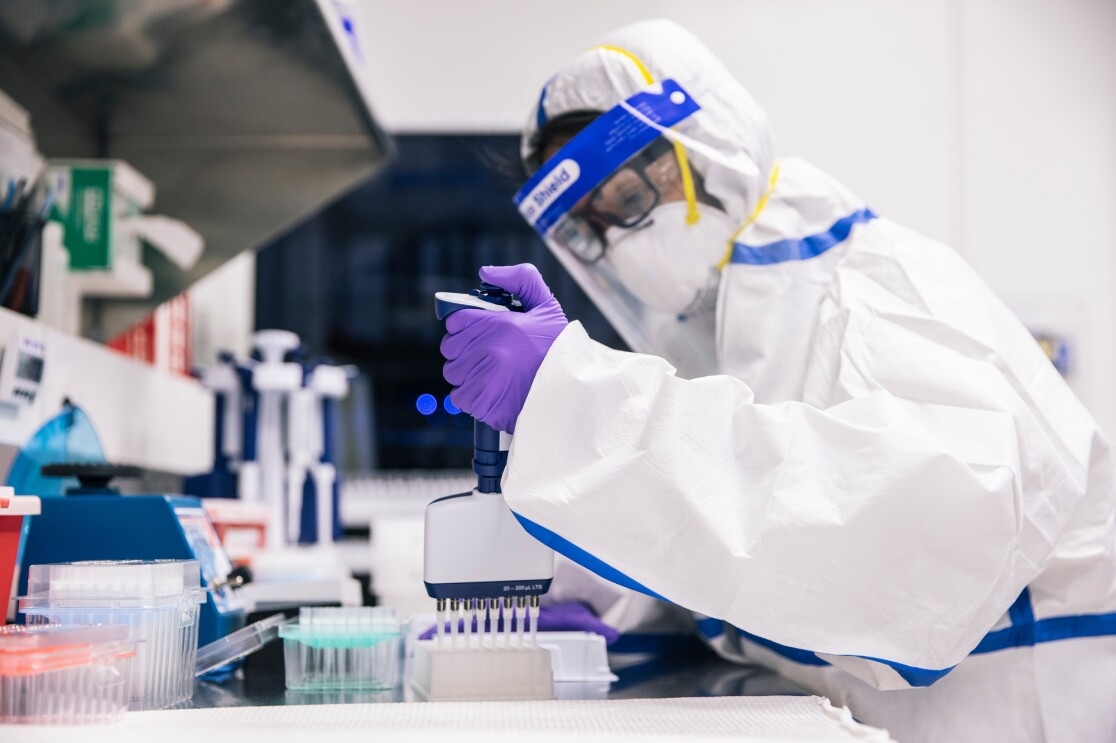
x: 912, y: 674
x: 801, y: 249
x: 583, y: 558
x: 1024, y: 632
x: 711, y: 628
x: 805, y: 657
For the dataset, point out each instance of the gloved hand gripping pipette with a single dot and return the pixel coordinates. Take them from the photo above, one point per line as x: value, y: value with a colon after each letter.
x: 477, y: 557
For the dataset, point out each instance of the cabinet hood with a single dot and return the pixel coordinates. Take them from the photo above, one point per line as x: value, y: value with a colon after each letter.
x: 248, y: 115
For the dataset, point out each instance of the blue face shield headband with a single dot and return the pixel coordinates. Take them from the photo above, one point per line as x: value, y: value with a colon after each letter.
x: 610, y: 174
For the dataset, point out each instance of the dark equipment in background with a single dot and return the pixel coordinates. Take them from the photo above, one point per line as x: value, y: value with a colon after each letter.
x: 355, y: 281
x: 22, y: 217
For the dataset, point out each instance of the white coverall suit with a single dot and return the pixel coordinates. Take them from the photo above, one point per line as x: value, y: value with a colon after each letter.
x: 887, y: 494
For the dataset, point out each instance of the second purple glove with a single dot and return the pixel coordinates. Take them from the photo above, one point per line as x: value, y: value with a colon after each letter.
x: 492, y: 357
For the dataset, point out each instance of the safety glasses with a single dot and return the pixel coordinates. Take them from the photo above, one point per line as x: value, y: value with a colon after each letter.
x: 625, y: 200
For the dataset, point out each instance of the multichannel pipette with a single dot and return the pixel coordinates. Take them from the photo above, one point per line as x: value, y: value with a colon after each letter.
x: 480, y: 566
x: 485, y: 572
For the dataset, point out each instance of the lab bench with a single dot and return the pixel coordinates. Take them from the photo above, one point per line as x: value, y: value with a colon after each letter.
x: 693, y: 671
x: 691, y: 696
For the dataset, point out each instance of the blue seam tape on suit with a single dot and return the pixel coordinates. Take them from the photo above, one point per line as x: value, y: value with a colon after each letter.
x: 1048, y: 630
x: 913, y: 676
x: 803, y: 248
x: 1021, y: 611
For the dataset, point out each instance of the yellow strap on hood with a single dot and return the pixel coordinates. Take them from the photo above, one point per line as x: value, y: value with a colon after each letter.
x: 771, y: 181
x: 688, y: 189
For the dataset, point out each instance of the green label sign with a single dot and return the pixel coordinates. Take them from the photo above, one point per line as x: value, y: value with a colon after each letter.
x: 86, y: 219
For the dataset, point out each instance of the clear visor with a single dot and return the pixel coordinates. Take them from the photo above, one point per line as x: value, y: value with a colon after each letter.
x: 622, y: 201
x: 604, y: 183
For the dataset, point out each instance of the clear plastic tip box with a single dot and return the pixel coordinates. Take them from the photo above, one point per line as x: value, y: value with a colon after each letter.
x: 157, y: 600
x: 341, y: 649
x: 57, y: 675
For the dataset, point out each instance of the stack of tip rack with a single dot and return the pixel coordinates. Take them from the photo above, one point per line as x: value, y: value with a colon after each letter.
x: 58, y: 675
x: 342, y: 649
x: 503, y: 663
x: 157, y: 601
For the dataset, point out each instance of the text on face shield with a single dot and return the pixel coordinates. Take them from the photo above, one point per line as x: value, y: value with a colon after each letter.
x: 560, y: 178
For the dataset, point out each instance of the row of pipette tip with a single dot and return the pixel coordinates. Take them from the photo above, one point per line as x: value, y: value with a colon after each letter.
x: 493, y: 624
x: 348, y: 619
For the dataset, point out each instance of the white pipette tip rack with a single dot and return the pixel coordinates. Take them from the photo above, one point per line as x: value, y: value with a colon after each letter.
x: 481, y: 672
x: 469, y: 663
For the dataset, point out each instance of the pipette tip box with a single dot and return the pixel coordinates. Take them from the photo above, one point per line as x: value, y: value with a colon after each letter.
x: 481, y: 672
x: 60, y: 675
x: 342, y: 649
x: 157, y: 600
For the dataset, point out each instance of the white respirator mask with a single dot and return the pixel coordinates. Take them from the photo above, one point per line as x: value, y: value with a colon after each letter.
x: 668, y: 264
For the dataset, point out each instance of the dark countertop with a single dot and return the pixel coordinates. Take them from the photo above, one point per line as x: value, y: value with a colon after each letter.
x: 692, y: 672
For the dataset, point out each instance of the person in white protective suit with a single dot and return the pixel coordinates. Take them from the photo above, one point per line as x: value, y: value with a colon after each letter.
x: 833, y: 443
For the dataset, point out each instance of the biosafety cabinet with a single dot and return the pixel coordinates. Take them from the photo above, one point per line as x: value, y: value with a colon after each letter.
x: 246, y: 116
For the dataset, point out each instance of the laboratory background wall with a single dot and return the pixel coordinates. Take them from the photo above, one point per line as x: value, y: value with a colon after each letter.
x: 989, y: 125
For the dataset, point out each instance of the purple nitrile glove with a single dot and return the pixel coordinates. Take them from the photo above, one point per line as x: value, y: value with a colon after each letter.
x: 569, y: 617
x: 492, y: 357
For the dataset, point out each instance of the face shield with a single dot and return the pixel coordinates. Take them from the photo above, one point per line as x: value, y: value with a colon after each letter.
x: 621, y: 208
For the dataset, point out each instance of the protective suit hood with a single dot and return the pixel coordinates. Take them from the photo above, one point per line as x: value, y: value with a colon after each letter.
x: 731, y: 123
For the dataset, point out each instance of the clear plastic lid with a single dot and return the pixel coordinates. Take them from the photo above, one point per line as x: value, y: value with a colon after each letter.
x: 31, y: 649
x: 237, y: 644
x: 134, y: 583
x: 21, y: 637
